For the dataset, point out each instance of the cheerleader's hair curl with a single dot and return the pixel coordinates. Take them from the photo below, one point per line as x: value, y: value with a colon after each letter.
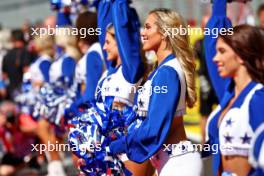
x: 45, y: 45
x: 168, y: 21
x: 65, y: 39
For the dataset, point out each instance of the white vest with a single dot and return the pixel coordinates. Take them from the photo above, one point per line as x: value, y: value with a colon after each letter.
x: 55, y: 71
x: 34, y: 69
x: 80, y: 73
x: 147, y: 90
x: 235, y: 132
x: 116, y: 85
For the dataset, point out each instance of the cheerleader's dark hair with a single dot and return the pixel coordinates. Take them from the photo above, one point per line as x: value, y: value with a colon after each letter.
x: 88, y: 21
x: 248, y: 43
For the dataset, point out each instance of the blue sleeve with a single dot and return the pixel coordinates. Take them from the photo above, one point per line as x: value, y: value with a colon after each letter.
x: 218, y: 20
x: 127, y: 27
x: 44, y: 68
x: 68, y: 69
x: 143, y: 142
x: 256, y: 109
x: 94, y: 70
x: 104, y: 17
x: 63, y: 19
x: 256, y: 155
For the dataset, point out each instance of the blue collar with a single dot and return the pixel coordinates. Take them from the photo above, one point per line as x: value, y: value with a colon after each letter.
x: 231, y: 92
x: 166, y: 59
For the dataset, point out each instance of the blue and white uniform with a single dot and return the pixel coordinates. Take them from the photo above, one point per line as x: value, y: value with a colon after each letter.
x: 121, y: 80
x: 88, y: 71
x: 62, y: 69
x: 119, y: 83
x: 38, y: 73
x: 237, y: 128
x: 39, y: 70
x: 161, y: 99
x: 60, y: 92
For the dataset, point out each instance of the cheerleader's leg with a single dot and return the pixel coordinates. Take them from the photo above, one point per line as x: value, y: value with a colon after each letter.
x: 47, y: 137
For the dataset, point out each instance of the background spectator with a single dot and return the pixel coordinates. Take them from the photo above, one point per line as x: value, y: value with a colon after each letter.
x: 15, y: 63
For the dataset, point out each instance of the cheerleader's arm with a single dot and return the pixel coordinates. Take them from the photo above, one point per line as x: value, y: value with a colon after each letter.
x: 126, y: 24
x: 44, y: 68
x: 256, y: 122
x: 218, y: 21
x: 256, y: 109
x: 142, y: 143
x: 94, y: 70
x: 68, y: 70
x: 104, y: 17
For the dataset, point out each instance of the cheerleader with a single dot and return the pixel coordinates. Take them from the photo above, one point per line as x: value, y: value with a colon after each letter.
x: 122, y: 42
x: 118, y: 87
x: 34, y: 78
x: 91, y: 66
x: 235, y: 65
x: 39, y: 70
x: 61, y: 74
x: 162, y: 101
x: 90, y: 71
x: 63, y: 68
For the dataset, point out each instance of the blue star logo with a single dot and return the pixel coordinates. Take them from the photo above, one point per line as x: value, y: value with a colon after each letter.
x: 228, y: 138
x: 245, y: 139
x: 106, y: 88
x: 141, y: 103
x: 229, y: 122
x: 109, y: 78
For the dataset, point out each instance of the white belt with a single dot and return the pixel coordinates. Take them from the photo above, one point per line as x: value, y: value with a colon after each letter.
x: 181, y: 148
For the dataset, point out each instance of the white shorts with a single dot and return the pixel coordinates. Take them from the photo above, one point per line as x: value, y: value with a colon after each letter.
x: 180, y: 163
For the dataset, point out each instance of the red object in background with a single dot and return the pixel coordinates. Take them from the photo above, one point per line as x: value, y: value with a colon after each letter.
x: 240, y: 0
x: 26, y: 121
x: 192, y: 22
x: 109, y: 172
x: 6, y: 140
x: 244, y: 1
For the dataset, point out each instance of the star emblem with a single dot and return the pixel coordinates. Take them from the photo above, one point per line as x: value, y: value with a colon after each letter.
x: 106, y: 88
x: 109, y: 78
x: 228, y: 138
x: 141, y: 103
x: 245, y: 139
x: 229, y: 122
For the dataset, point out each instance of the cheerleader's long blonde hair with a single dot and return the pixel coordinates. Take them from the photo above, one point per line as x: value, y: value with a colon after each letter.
x: 65, y: 38
x: 45, y: 45
x: 167, y: 22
